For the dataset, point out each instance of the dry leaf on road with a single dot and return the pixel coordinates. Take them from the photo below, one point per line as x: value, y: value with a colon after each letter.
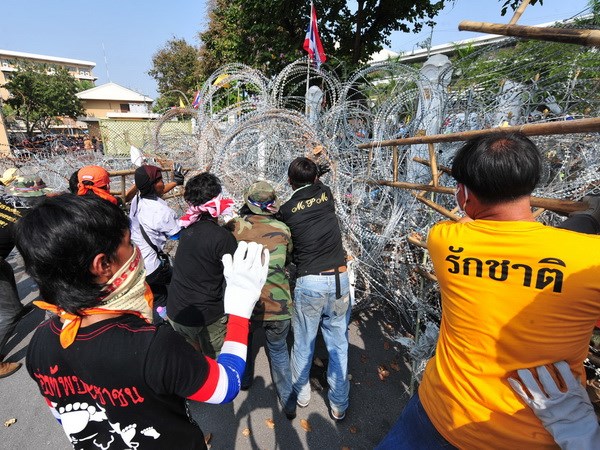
x: 270, y: 423
x: 386, y: 345
x: 246, y: 432
x: 353, y: 429
x: 395, y: 366
x: 10, y: 422
x: 305, y: 425
x: 207, y: 438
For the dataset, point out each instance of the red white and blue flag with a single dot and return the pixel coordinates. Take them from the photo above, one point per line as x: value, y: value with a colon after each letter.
x: 312, y: 41
x: 196, y: 102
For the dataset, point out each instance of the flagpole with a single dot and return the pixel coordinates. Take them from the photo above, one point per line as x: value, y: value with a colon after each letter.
x: 307, y: 71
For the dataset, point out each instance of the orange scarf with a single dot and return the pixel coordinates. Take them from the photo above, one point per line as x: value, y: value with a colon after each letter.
x: 125, y: 293
x: 83, y: 189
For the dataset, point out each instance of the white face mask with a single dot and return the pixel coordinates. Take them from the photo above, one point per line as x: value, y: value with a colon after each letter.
x: 461, y: 209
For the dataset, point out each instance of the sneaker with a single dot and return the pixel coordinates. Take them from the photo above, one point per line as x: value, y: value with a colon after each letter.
x: 337, y: 415
x: 302, y: 405
x: 8, y: 368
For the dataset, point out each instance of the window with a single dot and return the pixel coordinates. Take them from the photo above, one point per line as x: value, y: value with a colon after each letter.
x: 124, y: 107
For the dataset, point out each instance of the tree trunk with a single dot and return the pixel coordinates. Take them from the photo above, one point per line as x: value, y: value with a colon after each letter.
x: 356, y: 49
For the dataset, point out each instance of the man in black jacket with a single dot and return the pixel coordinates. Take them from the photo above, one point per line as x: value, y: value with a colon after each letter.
x: 321, y: 295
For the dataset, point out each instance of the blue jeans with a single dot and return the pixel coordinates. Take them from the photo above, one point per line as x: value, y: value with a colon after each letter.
x: 276, y: 332
x: 314, y: 304
x: 414, y: 431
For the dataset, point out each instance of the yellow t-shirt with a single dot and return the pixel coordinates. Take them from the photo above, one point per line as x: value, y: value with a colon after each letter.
x: 514, y: 295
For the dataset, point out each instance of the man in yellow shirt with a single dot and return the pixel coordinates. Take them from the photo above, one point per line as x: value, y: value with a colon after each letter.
x: 515, y: 294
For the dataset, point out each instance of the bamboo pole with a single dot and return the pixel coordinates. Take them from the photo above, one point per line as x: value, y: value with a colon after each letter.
x: 395, y: 162
x: 443, y: 169
x: 433, y: 164
x: 553, y: 204
x: 519, y: 12
x: 414, y: 241
x: 426, y: 274
x: 588, y: 38
x: 534, y: 129
x: 433, y: 205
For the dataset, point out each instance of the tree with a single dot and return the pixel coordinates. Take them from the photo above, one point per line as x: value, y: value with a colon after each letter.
x: 175, y: 68
x: 38, y: 97
x: 267, y: 34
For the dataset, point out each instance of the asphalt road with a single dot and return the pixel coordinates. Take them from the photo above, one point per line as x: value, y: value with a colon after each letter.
x: 254, y: 420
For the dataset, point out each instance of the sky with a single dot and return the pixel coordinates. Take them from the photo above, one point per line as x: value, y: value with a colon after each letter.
x: 121, y: 36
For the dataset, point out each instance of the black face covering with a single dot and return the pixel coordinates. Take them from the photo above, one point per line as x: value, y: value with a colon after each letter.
x: 145, y: 179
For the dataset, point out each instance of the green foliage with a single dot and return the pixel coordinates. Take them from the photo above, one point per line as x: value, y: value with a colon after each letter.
x: 514, y: 4
x: 269, y: 34
x: 175, y: 67
x: 37, y: 97
x: 570, y: 73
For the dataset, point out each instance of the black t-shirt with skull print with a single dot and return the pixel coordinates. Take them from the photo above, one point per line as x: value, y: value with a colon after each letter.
x: 121, y: 384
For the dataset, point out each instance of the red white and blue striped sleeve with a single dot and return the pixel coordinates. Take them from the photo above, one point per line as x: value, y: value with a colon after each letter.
x: 223, y: 382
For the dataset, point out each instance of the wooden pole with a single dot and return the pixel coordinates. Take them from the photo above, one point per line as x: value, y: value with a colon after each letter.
x: 519, y: 12
x: 443, y: 169
x: 433, y: 205
x: 535, y: 129
x: 553, y: 204
x: 433, y: 164
x: 395, y: 163
x: 589, y: 38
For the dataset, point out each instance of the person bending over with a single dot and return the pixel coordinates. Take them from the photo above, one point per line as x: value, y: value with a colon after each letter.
x: 110, y: 377
x: 274, y: 308
x: 195, y: 302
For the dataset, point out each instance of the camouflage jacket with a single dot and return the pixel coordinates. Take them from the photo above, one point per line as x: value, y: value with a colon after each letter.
x: 275, y: 301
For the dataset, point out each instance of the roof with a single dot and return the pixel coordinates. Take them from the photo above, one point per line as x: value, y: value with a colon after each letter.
x: 55, y: 59
x: 479, y: 41
x: 383, y: 55
x: 113, y: 91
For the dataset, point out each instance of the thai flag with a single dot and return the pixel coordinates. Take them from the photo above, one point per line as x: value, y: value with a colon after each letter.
x: 312, y: 41
x: 196, y: 102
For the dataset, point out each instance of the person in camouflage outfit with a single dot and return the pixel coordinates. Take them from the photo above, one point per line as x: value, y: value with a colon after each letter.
x: 274, y: 308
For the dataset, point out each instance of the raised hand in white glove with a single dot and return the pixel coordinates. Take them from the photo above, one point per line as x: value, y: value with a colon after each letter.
x: 245, y: 275
x: 568, y: 416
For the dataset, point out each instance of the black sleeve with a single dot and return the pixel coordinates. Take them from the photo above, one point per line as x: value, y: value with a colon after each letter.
x: 227, y: 245
x: 172, y: 365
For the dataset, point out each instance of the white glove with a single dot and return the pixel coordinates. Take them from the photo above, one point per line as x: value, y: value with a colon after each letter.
x: 568, y: 416
x: 245, y: 275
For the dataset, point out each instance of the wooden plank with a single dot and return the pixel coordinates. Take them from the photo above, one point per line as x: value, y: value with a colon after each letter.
x: 533, y: 129
x: 589, y: 38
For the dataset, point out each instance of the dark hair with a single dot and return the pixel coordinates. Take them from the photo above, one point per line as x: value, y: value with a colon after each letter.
x: 201, y: 188
x: 60, y: 238
x: 302, y: 171
x: 74, y: 182
x: 498, y: 166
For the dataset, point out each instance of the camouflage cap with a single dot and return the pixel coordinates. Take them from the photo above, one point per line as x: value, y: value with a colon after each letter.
x: 261, y: 198
x: 27, y: 187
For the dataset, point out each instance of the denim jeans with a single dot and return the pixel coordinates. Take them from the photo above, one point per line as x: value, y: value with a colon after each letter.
x: 10, y: 305
x: 414, y: 431
x: 315, y: 303
x: 276, y: 332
